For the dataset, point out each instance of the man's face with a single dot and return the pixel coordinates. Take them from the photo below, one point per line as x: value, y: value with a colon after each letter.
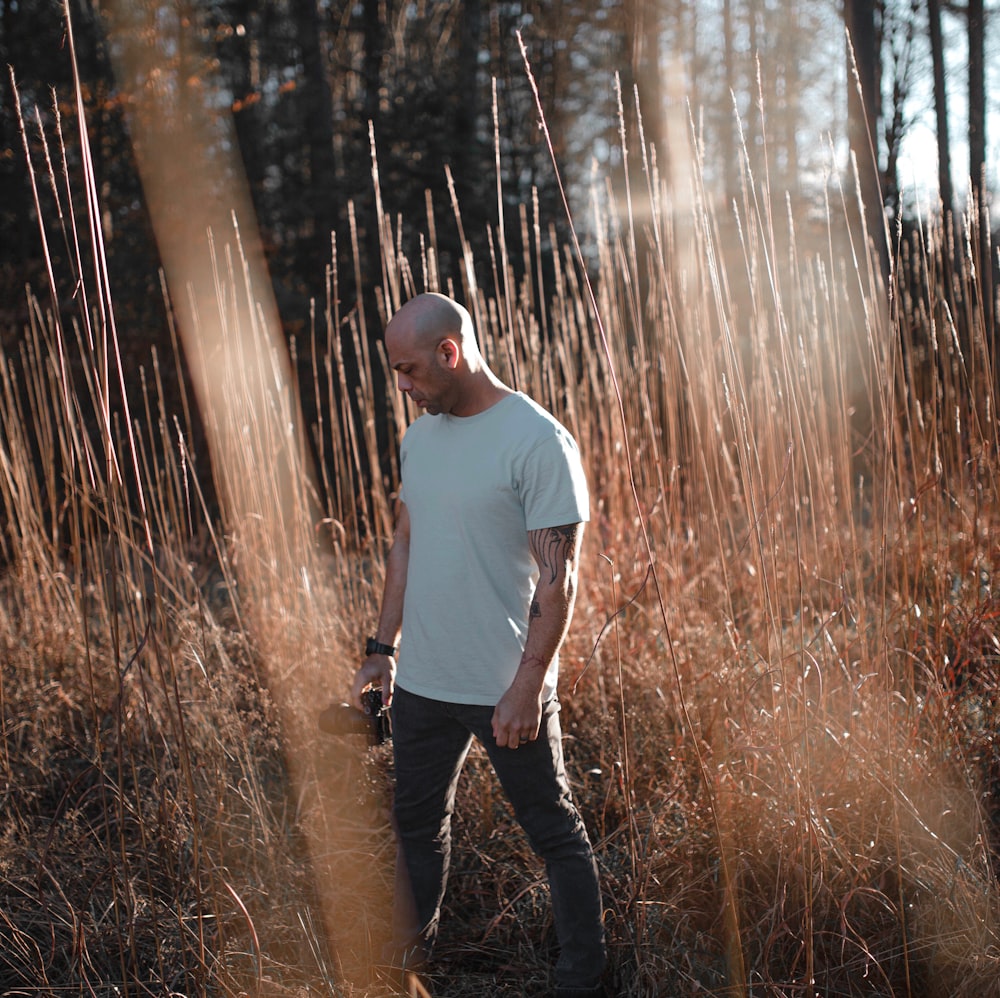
x: 421, y: 373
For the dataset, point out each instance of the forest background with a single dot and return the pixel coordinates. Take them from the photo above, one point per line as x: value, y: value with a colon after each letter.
x: 300, y: 86
x: 748, y: 263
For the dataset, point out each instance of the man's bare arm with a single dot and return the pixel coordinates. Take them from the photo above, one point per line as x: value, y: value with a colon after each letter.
x: 380, y: 670
x: 556, y: 551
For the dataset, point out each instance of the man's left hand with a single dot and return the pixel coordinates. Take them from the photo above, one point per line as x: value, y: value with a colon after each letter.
x: 517, y: 717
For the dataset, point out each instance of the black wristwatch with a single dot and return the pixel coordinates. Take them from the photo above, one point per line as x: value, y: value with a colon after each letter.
x: 373, y: 647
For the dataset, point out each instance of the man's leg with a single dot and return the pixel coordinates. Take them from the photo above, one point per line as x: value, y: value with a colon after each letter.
x: 429, y: 747
x: 534, y: 778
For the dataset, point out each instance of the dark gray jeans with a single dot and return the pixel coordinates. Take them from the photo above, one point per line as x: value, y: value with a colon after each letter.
x: 431, y: 740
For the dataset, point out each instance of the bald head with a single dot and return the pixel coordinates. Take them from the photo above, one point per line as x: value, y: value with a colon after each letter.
x: 432, y: 347
x: 426, y: 319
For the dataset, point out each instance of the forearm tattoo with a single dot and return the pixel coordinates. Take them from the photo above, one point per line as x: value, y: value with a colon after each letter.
x: 552, y: 548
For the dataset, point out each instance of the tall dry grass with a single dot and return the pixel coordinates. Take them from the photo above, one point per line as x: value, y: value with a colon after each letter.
x: 781, y: 687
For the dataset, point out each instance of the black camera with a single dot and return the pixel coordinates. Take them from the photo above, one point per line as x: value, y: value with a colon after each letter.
x: 373, y: 723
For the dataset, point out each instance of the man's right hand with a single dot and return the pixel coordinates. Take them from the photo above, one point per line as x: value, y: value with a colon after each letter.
x: 376, y: 670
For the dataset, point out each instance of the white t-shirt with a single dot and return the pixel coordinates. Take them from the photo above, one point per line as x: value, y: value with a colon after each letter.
x: 473, y: 487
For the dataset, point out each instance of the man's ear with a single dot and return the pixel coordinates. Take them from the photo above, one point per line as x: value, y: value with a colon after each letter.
x: 448, y: 352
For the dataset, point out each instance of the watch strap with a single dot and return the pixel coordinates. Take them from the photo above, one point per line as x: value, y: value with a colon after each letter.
x: 374, y: 647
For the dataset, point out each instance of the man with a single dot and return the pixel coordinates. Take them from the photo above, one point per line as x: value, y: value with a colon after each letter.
x: 479, y: 591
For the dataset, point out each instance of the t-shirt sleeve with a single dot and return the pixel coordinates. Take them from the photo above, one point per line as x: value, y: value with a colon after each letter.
x: 553, y: 485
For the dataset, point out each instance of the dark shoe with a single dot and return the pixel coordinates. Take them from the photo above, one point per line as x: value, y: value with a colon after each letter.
x: 596, y: 992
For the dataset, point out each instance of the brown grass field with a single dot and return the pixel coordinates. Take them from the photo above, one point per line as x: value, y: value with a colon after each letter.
x: 780, y: 693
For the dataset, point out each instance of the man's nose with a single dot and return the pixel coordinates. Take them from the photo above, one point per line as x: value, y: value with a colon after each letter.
x: 403, y: 382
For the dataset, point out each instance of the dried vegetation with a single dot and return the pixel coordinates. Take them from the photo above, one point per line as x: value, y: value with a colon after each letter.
x: 781, y: 689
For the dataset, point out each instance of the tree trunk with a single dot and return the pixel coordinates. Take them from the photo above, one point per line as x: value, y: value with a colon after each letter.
x: 317, y: 117
x: 375, y: 14
x: 240, y: 58
x: 977, y: 156
x: 466, y: 144
x: 863, y: 107
x: 788, y: 108
x: 729, y: 152
x: 642, y: 32
x: 945, y: 187
x: 977, y: 100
